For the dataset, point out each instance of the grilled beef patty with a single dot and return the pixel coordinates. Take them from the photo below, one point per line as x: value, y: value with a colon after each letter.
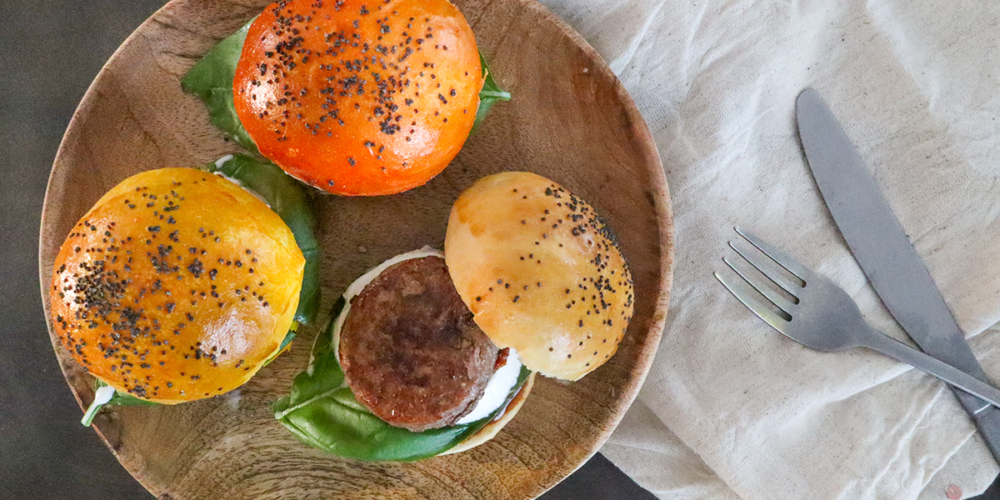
x: 410, y: 350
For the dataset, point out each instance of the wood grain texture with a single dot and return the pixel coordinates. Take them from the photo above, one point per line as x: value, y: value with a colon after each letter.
x: 570, y: 120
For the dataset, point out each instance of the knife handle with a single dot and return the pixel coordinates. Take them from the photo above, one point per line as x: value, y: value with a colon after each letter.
x: 917, y: 359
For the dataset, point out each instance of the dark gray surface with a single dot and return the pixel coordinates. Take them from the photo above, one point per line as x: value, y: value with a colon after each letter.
x: 52, y: 51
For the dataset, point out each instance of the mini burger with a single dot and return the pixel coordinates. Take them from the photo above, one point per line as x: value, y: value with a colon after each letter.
x: 411, y: 352
x: 435, y: 352
x: 177, y: 285
x: 355, y: 97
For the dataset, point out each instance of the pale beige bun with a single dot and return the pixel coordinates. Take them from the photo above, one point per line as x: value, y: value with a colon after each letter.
x: 540, y: 271
x: 490, y: 430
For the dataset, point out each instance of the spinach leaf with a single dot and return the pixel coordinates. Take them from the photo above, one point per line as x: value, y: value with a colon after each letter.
x: 211, y: 79
x: 322, y: 412
x: 117, y: 399
x: 489, y: 95
x: 290, y: 200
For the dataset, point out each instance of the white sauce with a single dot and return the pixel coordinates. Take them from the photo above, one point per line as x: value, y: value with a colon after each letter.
x: 222, y: 161
x: 497, y: 389
x: 103, y: 395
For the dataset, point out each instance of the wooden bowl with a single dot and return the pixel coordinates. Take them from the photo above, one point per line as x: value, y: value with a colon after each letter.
x: 570, y: 120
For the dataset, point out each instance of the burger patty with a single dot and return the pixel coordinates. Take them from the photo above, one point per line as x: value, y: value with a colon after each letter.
x: 410, y: 350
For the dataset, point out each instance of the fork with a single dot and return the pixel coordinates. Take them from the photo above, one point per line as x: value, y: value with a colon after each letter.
x: 822, y: 316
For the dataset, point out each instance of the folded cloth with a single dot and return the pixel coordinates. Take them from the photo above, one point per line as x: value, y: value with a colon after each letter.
x: 731, y: 408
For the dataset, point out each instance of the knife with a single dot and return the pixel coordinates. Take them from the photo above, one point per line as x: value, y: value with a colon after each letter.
x: 886, y: 256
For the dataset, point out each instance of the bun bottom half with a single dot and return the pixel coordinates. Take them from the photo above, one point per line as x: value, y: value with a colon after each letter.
x: 490, y: 430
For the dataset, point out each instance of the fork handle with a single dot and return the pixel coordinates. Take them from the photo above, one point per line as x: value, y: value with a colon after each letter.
x: 902, y: 352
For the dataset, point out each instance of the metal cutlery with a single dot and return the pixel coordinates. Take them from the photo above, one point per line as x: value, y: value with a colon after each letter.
x: 819, y: 314
x: 880, y: 245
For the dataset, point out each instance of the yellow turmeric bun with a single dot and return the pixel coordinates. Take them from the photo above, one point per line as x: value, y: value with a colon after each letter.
x: 540, y: 271
x: 177, y: 285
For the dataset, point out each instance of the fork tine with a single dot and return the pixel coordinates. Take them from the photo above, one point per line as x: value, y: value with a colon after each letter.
x: 776, y: 255
x: 776, y: 299
x: 755, y: 305
x: 778, y: 279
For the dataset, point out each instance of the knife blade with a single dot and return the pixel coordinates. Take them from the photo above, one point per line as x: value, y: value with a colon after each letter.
x: 885, y: 254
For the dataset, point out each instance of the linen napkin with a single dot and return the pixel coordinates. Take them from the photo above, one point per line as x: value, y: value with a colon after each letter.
x: 732, y: 409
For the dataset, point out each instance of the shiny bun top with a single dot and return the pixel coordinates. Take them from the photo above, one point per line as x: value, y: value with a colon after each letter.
x: 177, y: 285
x: 541, y: 272
x: 359, y: 97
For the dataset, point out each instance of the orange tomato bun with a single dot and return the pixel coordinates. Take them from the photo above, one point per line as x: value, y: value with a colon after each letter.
x: 359, y: 97
x: 177, y: 285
